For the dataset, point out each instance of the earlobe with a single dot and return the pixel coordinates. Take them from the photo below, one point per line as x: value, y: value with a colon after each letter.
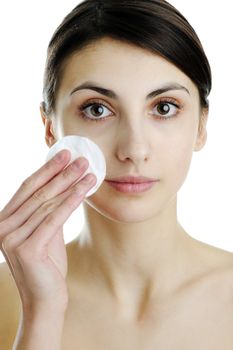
x: 202, y: 131
x: 50, y: 138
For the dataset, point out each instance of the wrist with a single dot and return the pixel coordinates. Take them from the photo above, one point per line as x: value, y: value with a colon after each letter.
x: 34, y: 310
x: 38, y: 330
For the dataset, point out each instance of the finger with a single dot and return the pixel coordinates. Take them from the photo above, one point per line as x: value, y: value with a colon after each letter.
x: 19, y: 236
x: 57, y: 185
x: 36, y: 181
x: 56, y: 219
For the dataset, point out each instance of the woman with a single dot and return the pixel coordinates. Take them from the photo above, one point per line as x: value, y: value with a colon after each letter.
x: 133, y: 77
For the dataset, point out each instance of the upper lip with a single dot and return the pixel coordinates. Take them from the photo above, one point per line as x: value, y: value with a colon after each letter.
x: 132, y: 179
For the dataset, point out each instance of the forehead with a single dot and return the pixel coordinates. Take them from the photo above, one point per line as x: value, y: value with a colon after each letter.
x: 118, y: 64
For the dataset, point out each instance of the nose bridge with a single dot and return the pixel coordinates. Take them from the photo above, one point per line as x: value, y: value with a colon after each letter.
x: 134, y: 126
x: 133, y: 138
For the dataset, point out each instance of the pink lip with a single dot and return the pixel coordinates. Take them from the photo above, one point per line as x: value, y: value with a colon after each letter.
x: 132, y: 179
x: 127, y: 187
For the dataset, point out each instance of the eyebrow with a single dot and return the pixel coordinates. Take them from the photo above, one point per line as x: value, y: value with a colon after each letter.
x: 111, y: 94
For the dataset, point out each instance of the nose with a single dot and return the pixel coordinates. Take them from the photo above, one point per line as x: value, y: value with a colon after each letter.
x: 133, y: 143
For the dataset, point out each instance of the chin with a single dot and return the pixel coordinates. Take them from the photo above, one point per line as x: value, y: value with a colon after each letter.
x: 124, y: 210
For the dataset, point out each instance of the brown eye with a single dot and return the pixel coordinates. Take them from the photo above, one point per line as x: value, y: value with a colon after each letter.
x: 163, y: 108
x: 96, y: 110
x: 166, y: 109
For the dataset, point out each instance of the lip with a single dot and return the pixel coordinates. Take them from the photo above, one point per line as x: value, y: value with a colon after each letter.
x: 132, y: 179
x: 131, y: 184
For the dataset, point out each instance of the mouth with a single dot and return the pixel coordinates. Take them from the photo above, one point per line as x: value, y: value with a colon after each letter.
x: 132, y: 187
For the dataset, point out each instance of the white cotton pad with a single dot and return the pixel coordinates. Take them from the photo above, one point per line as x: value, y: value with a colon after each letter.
x: 82, y: 147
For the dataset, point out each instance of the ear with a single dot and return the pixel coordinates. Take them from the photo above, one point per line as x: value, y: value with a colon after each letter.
x: 202, y: 131
x: 50, y: 137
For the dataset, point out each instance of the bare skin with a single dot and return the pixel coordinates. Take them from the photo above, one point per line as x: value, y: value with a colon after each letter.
x: 136, y: 279
x: 198, y: 314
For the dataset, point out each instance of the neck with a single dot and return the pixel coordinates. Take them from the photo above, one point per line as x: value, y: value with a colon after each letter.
x: 134, y: 259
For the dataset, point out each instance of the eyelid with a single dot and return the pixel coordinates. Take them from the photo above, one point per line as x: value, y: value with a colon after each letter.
x: 92, y: 101
x: 168, y: 99
x: 157, y: 100
x: 89, y: 103
x: 174, y: 101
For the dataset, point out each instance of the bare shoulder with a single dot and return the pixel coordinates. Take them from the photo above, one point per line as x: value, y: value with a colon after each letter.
x: 10, y: 308
x: 219, y: 263
x: 220, y: 258
x: 226, y: 271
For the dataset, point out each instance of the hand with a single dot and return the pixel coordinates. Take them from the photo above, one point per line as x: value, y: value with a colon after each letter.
x: 31, y: 230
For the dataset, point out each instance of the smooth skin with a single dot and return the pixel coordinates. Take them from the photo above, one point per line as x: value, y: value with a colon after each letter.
x: 136, y: 279
x: 31, y: 236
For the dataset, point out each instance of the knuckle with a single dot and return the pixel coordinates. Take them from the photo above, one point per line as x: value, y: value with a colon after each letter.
x: 39, y: 196
x: 31, y: 182
x: 3, y: 222
x: 49, y: 165
x: 3, y: 228
x: 50, y: 220
x: 80, y: 188
x: 67, y: 172
x: 27, y: 182
x: 48, y: 207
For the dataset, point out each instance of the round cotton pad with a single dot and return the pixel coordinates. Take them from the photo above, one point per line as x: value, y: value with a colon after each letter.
x: 82, y: 147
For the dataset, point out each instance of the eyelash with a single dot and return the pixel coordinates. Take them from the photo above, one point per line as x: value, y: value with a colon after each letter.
x: 90, y: 103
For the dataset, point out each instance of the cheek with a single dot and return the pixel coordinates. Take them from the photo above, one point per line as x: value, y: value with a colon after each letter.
x: 178, y: 159
x: 98, y: 133
x: 69, y: 126
x: 173, y: 168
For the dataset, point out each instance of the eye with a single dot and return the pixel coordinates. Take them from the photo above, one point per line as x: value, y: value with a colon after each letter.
x: 166, y: 109
x: 93, y: 111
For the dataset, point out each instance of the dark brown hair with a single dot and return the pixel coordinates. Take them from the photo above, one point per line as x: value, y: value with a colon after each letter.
x: 154, y: 25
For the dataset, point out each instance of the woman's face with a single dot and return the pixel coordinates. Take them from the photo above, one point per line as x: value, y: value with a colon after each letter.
x: 140, y: 135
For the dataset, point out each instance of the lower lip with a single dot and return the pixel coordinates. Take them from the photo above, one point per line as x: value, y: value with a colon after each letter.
x: 130, y: 187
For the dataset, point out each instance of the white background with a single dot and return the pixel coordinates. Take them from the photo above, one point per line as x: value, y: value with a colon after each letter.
x: 205, y: 200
